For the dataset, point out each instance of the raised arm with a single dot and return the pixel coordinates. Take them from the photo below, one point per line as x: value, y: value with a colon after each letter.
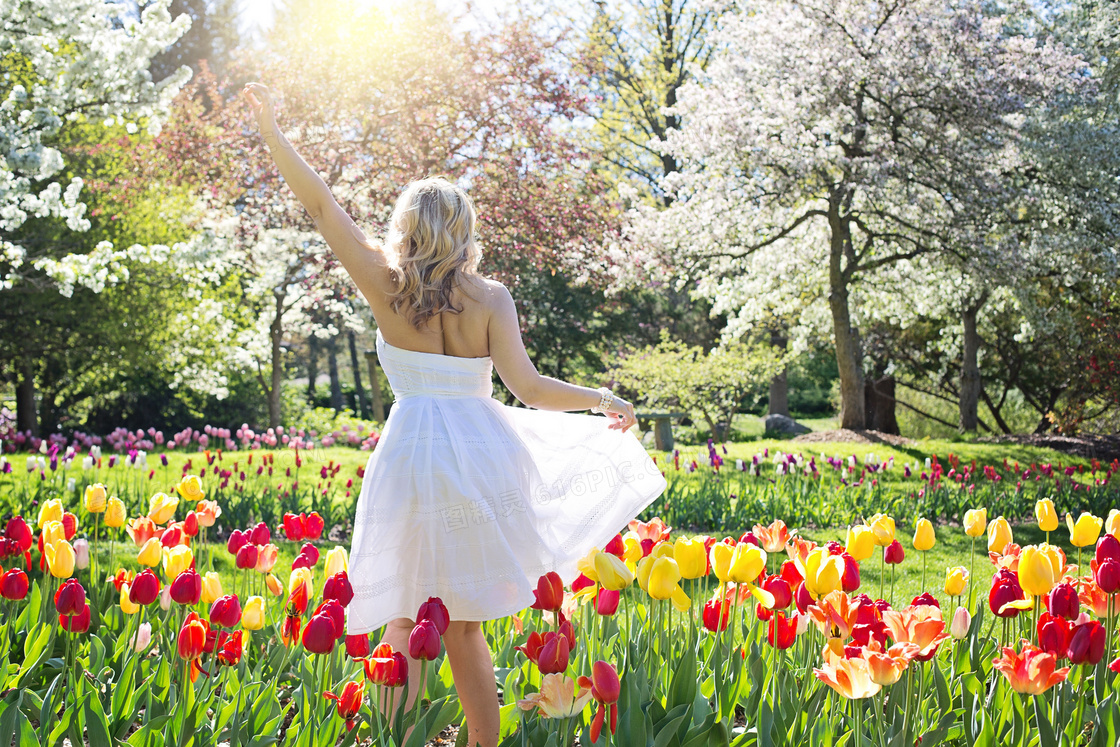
x: 527, y: 384
x: 365, y: 262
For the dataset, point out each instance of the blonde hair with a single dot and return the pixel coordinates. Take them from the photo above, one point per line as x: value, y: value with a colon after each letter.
x: 431, y: 239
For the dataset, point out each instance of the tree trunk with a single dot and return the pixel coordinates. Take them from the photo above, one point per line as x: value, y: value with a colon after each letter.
x: 276, y: 333
x: 849, y: 358
x: 359, y: 391
x: 879, y: 395
x: 779, y: 386
x: 332, y: 368
x: 970, y: 368
x: 27, y: 419
x: 312, y: 367
x: 378, y: 406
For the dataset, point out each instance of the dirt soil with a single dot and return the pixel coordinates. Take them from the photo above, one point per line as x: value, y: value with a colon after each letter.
x: 843, y: 435
x: 1104, y: 448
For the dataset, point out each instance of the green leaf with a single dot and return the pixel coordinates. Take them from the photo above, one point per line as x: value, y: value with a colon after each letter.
x: 1046, y: 737
x: 97, y: 726
x: 9, y: 713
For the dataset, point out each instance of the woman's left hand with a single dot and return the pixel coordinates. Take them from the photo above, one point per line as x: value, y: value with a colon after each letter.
x: 621, y: 414
x: 260, y: 100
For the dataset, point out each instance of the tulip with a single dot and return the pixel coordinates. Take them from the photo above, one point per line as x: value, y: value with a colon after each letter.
x: 294, y: 526
x: 559, y: 697
x: 1087, y: 643
x: 1046, y: 515
x: 190, y: 524
x: 1053, y: 634
x: 860, y: 542
x: 78, y: 623
x: 70, y: 598
x: 161, y: 507
x: 822, y: 572
x: 551, y: 659
x: 1085, y: 530
x: 143, y: 637
x: 186, y: 588
x: 14, y: 585
x: 275, y: 588
x: 1108, y: 548
x: 53, y: 531
x: 115, y: 513
x: 549, y: 594
x: 289, y: 629
x: 226, y: 611
x: 301, y: 577
x: 1031, y: 672
x: 882, y: 528
x: 211, y: 587
x: 612, y: 572
x: 50, y: 510
x: 349, y: 702
x: 423, y: 642
x: 357, y: 646
x: 190, y: 489
x: 94, y: 498
x: 81, y: 553
x: 1063, y: 602
x: 918, y: 624
x: 924, y: 537
x: 246, y: 557
x: 893, y: 554
x: 999, y: 535
x: 128, y: 606
x: 18, y: 531
x: 320, y: 634
x: 960, y: 624
x: 716, y: 615
x: 236, y: 541
x: 692, y: 557
x: 144, y: 589
x: 150, y: 553
x: 229, y: 648
x: 436, y: 611
x: 849, y: 580
x: 192, y: 637
x: 664, y: 577
x: 1005, y: 590
x: 1107, y: 576
x: 780, y: 590
x: 336, y: 561
x: 975, y: 522
x: 259, y: 535
x: 605, y: 690
x: 773, y: 538
x: 886, y: 667
x: 252, y: 614
x: 386, y: 667
x: 314, y: 527
x: 606, y: 602
x: 1036, y: 573
x: 207, y: 513
x: 851, y: 678
x: 955, y: 581
x: 338, y: 587
x: 1112, y: 523
x: 266, y: 558
x: 176, y: 560
x: 783, y: 631
x: 60, y: 558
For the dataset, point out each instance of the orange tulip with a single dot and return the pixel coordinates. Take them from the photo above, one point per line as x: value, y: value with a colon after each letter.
x: 774, y: 538
x: 921, y: 625
x: 654, y: 529
x: 848, y: 677
x: 1093, y: 597
x: 886, y: 667
x: 207, y: 512
x: 1031, y: 672
x: 141, y: 530
x: 834, y: 615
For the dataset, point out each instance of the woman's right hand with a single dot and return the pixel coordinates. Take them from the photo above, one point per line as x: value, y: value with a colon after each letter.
x: 621, y: 414
x: 260, y: 100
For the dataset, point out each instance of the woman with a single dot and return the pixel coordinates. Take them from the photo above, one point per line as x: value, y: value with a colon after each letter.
x: 464, y: 499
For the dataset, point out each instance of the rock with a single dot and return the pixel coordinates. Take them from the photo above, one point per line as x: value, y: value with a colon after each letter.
x: 783, y: 426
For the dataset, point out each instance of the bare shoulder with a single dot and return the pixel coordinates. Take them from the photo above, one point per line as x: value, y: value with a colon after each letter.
x: 490, y: 293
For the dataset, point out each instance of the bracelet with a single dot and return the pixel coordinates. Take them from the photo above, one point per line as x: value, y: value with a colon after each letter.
x: 606, y: 399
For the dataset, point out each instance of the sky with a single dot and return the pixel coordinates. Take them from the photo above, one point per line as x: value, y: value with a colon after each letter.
x: 256, y: 15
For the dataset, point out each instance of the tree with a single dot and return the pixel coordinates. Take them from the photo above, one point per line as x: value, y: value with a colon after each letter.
x: 836, y: 139
x: 212, y: 38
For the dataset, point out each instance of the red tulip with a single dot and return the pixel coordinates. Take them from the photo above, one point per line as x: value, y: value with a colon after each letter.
x: 1087, y: 642
x: 259, y: 535
x: 190, y: 524
x: 647, y: 547
x: 186, y: 589
x: 386, y: 667
x: 1005, y: 588
x: 748, y: 538
x: 298, y: 601
x: 14, y: 585
x: 145, y: 588
x: 423, y: 642
x: 783, y: 631
x: 192, y: 637
x: 549, y: 594
x: 1053, y: 634
x: 606, y: 602
x: 289, y: 629
x: 716, y: 615
x: 1063, y: 602
x: 70, y: 598
x: 78, y: 623
x: 172, y: 536
x: 337, y: 614
x: 229, y: 648
x: 357, y: 646
x: 69, y: 525
x: 293, y: 526
x: 18, y: 530
x: 850, y: 580
x: 314, y: 526
x: 247, y: 557
x: 894, y: 554
x: 802, y: 598
x: 338, y: 587
x: 790, y: 574
x: 320, y: 634
x: 303, y: 561
x: 553, y: 656
x: 436, y: 611
x: 349, y: 702
x: 616, y: 547
x: 226, y: 611
x: 236, y: 541
x: 1108, y: 548
x: 605, y: 689
x: 1108, y: 575
x: 926, y: 599
x: 581, y: 582
x: 780, y: 589
x: 311, y: 552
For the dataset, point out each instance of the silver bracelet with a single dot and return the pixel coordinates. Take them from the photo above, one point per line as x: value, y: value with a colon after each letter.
x: 606, y: 399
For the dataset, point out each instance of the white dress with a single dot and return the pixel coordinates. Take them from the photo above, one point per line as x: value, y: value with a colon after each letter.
x: 472, y: 501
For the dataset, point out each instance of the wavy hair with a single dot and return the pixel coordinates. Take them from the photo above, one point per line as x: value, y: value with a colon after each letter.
x: 432, y: 243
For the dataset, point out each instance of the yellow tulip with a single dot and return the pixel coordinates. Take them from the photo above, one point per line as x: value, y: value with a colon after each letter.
x: 1036, y: 573
x: 115, y: 514
x: 190, y: 488
x: 151, y: 553
x: 50, y: 511
x: 663, y: 549
x: 1085, y: 530
x: 1056, y: 557
x: 720, y: 555
x: 882, y: 526
x: 664, y: 578
x: 955, y: 581
x: 301, y: 576
x: 1112, y: 523
x: 586, y: 565
x: 999, y: 535
x: 127, y: 605
x: 161, y: 507
x: 176, y: 560
x: 252, y: 614
x: 975, y: 522
x: 612, y: 572
x: 336, y: 561
x: 53, y: 531
x: 633, y: 550
x: 822, y: 572
x: 681, y: 601
x: 924, y: 537
x: 94, y: 498
x: 691, y: 557
x: 1046, y: 515
x: 211, y: 587
x: 60, y: 558
x: 860, y: 543
x: 747, y: 562
x: 642, y: 572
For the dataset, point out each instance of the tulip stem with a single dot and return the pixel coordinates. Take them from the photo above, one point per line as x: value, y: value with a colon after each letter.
x: 971, y: 580
x: 883, y: 572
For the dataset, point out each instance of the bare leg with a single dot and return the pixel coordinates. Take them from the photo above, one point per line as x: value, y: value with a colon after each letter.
x: 473, y: 670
